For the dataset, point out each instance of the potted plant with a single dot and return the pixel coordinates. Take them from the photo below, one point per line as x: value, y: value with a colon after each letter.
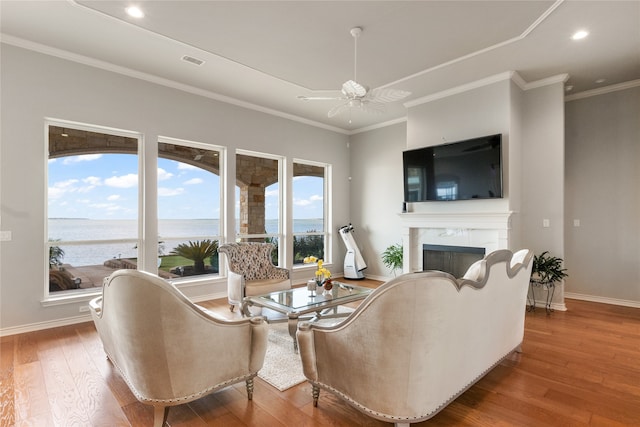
x: 547, y: 269
x: 392, y: 257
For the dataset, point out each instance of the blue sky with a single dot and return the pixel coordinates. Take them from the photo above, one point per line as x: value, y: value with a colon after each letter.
x: 105, y: 186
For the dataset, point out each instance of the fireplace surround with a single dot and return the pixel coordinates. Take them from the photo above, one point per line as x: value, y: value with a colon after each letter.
x: 488, y: 230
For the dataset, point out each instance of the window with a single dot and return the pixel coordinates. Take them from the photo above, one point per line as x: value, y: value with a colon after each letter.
x: 189, y: 201
x: 93, y: 201
x: 310, y: 237
x: 258, y: 208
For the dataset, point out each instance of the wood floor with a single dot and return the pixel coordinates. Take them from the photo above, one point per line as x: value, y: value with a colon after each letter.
x: 577, y: 368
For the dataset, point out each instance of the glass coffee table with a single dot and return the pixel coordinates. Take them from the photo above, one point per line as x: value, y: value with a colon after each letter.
x: 297, y: 303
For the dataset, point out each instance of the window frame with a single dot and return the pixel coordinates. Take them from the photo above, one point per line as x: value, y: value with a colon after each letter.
x: 327, y: 218
x: 50, y: 298
x: 221, y: 236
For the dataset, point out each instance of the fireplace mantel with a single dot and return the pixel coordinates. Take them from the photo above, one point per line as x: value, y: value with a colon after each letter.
x: 468, y: 220
x: 489, y: 230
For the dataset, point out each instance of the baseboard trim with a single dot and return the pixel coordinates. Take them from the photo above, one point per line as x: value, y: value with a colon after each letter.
x: 32, y: 327
x: 602, y: 300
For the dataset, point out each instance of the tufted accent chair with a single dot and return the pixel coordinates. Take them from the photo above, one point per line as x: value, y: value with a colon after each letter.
x: 169, y: 350
x: 251, y: 271
x: 420, y: 340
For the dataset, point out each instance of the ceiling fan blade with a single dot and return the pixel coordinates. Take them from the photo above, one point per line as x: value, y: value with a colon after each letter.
x: 319, y: 98
x: 387, y: 95
x: 373, y: 107
x: 353, y: 89
x: 338, y: 109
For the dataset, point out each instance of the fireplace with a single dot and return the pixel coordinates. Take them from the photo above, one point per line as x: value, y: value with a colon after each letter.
x: 487, y: 230
x: 454, y: 260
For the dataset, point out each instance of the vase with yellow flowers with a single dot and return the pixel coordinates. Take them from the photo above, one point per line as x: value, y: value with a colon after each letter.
x: 322, y: 275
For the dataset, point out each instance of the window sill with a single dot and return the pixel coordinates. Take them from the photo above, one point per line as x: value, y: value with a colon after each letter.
x: 74, y: 298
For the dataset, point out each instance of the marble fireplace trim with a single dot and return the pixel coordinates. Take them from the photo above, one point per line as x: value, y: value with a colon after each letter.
x: 489, y: 230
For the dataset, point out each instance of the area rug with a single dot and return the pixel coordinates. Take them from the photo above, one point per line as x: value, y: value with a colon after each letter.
x: 282, y: 366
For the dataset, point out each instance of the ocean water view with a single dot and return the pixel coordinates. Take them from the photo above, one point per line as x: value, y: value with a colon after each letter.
x: 171, y: 232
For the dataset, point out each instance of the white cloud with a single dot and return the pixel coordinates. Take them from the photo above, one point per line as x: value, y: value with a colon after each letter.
x: 194, y: 181
x: 168, y: 192
x: 186, y: 166
x: 113, y: 197
x: 124, y: 181
x: 163, y: 174
x: 92, y: 180
x: 272, y: 193
x: 60, y: 188
x: 309, y: 201
x: 81, y: 158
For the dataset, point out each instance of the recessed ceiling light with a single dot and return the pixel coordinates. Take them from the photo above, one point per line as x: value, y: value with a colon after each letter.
x: 579, y: 35
x: 601, y: 81
x: 135, y: 12
x: 568, y: 88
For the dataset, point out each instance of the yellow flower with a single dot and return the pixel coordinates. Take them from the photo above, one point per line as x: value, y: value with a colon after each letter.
x: 322, y: 273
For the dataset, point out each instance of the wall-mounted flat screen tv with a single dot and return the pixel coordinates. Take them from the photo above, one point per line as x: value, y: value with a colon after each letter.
x: 463, y: 170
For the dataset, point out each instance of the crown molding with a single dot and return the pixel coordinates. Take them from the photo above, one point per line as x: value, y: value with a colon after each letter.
x: 603, y: 90
x: 96, y: 63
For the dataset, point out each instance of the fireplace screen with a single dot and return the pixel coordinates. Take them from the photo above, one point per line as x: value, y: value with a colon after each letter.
x: 454, y: 260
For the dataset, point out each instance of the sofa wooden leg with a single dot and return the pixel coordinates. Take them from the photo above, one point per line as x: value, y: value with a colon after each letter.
x: 160, y: 414
x: 316, y: 395
x: 250, y: 388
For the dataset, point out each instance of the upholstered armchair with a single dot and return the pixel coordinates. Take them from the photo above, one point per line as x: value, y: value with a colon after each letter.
x: 420, y: 340
x: 168, y: 350
x: 251, y: 271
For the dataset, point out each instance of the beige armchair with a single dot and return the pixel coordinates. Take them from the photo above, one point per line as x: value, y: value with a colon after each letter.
x: 168, y: 350
x: 420, y: 340
x: 251, y: 271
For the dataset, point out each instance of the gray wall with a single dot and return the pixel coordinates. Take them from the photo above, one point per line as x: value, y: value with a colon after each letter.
x: 603, y: 193
x: 37, y: 86
x: 377, y: 193
x: 532, y: 125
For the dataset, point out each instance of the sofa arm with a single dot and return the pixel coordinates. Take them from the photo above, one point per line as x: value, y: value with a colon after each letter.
x: 306, y: 347
x: 95, y: 305
x: 235, y: 288
x: 259, y: 330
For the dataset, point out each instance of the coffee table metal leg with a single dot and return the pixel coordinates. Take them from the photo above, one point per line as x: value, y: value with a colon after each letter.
x: 245, y: 308
x: 293, y: 327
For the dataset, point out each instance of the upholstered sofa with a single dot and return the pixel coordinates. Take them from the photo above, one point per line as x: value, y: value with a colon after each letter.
x: 420, y: 340
x: 251, y: 271
x: 168, y: 350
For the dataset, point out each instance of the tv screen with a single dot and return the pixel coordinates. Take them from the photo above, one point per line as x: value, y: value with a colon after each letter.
x: 463, y: 170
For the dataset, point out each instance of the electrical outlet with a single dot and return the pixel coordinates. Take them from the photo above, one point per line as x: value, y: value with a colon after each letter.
x: 5, y: 236
x: 546, y: 223
x: 84, y: 308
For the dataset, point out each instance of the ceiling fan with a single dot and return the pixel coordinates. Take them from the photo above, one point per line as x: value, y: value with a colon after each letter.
x: 356, y: 95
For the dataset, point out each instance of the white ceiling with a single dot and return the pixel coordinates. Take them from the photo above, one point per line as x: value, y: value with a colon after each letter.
x: 263, y: 54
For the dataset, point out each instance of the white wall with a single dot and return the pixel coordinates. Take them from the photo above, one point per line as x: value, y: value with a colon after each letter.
x: 603, y: 194
x: 377, y: 193
x: 36, y: 86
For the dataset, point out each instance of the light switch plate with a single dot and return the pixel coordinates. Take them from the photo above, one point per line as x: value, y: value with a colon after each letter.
x: 5, y: 236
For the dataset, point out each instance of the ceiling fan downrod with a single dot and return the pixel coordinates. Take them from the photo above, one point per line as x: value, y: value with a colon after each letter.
x: 355, y: 32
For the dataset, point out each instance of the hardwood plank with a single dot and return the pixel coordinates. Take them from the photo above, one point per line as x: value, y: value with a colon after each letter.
x: 7, y: 390
x: 577, y: 368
